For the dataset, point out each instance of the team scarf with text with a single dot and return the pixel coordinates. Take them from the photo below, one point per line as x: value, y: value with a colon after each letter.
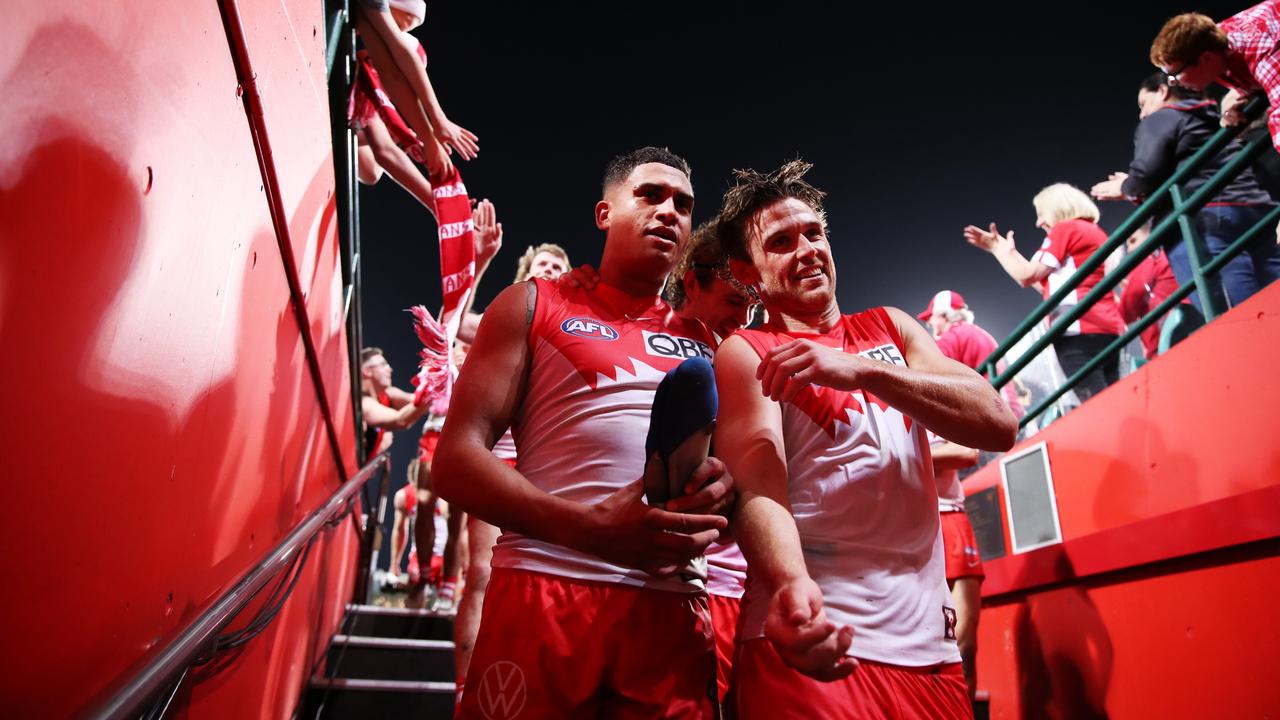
x: 457, y: 278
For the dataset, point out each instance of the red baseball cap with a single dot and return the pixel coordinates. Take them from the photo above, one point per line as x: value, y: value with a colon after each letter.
x: 944, y: 301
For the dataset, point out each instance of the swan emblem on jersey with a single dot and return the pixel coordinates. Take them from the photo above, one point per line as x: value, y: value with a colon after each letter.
x: 585, y: 327
x: 826, y: 407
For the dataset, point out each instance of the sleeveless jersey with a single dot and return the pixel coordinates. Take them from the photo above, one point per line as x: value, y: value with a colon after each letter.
x: 596, y: 360
x: 726, y: 569
x: 950, y: 492
x: 505, y: 448
x: 861, y: 489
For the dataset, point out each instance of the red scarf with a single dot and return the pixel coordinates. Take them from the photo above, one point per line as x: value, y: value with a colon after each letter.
x: 457, y: 276
x: 368, y: 97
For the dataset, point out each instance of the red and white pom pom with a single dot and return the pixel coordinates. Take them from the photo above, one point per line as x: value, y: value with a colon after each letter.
x: 434, y: 380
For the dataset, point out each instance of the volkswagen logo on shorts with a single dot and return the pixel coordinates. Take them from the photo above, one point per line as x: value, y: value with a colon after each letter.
x: 584, y: 327
x: 502, y: 691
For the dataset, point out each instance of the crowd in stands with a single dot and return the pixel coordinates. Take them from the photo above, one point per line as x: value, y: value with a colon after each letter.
x: 816, y: 595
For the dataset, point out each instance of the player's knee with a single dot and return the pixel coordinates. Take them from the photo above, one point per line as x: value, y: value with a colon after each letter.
x: 477, y: 575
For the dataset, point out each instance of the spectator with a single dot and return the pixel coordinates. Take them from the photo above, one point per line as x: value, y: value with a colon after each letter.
x: 395, y: 55
x: 1175, y: 124
x: 960, y: 339
x: 1148, y: 285
x: 1071, y: 220
x: 951, y: 322
x: 384, y: 407
x: 385, y: 142
x: 547, y: 261
x: 1238, y: 53
x: 1267, y: 167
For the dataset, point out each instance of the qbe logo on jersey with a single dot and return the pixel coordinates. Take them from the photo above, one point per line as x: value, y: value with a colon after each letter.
x: 885, y: 353
x: 673, y: 346
x: 585, y: 327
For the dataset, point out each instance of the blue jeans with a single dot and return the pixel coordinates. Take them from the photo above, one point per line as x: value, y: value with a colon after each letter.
x: 1246, y: 273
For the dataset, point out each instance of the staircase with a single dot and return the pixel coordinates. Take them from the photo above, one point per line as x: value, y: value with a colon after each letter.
x: 386, y: 660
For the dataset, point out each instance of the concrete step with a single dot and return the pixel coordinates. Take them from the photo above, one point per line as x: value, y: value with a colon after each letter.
x: 353, y: 699
x: 377, y: 621
x: 381, y: 658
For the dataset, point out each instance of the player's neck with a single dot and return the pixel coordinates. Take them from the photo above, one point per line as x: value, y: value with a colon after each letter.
x: 370, y: 388
x: 629, y: 283
x: 793, y: 320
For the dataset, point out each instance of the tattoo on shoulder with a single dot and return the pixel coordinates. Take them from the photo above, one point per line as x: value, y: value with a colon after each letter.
x: 530, y: 301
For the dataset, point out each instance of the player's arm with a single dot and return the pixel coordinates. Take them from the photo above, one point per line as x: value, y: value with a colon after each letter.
x: 490, y: 389
x: 950, y: 456
x: 748, y: 439
x: 380, y: 416
x: 946, y: 396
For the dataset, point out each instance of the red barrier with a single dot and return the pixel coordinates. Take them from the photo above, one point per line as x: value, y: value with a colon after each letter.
x: 1155, y: 604
x: 163, y: 433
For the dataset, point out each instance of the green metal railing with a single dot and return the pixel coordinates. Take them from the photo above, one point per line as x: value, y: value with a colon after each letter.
x: 1203, y: 271
x: 340, y: 64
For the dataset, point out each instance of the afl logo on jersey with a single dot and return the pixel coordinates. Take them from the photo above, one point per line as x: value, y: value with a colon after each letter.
x: 587, y: 328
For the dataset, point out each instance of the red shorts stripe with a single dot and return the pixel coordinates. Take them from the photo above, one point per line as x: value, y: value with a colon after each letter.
x: 960, y: 547
x: 724, y: 618
x: 555, y: 647
x: 767, y: 689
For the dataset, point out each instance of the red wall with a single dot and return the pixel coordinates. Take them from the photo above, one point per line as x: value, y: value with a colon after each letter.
x: 162, y: 430
x: 1157, y: 603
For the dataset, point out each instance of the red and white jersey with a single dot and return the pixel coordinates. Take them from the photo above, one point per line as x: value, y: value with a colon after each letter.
x: 726, y: 570
x: 1068, y: 244
x: 505, y: 448
x: 596, y: 360
x: 950, y: 492
x: 861, y: 489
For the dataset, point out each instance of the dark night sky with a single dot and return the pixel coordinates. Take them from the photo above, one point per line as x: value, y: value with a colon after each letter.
x: 918, y: 124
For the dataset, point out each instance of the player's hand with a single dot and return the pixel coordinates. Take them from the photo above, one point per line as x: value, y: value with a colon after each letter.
x: 488, y: 232
x: 793, y: 366
x: 455, y: 137
x: 624, y: 530
x: 583, y: 276
x: 709, y: 490
x: 797, y: 626
x: 1109, y: 189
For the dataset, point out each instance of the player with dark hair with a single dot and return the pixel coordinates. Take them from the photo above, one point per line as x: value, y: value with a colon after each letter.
x: 822, y: 420
x: 573, y: 373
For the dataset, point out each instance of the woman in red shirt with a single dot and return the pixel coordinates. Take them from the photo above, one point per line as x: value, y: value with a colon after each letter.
x: 1071, y: 220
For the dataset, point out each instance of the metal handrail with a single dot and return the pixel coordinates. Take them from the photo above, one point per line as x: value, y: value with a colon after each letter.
x: 130, y: 696
x: 1113, y: 278
x: 1267, y: 223
x: 1210, y: 149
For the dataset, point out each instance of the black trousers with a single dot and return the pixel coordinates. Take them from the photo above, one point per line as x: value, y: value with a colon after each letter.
x: 1076, y: 350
